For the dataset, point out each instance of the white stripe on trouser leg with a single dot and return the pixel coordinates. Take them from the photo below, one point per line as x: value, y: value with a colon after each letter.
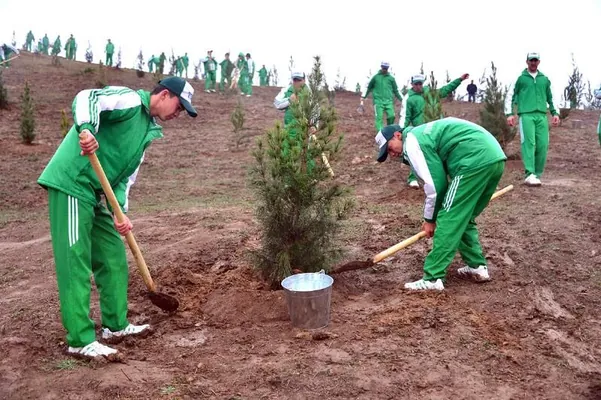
x: 521, y: 129
x: 452, y: 194
x: 76, y: 232
x: 449, y: 193
x: 69, y: 221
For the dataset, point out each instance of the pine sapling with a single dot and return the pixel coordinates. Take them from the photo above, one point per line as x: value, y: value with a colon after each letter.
x: 27, y: 117
x: 65, y: 124
x: 433, y: 107
x: 298, y: 204
x: 492, y: 116
x: 3, y: 94
x: 237, y: 119
x: 140, y: 69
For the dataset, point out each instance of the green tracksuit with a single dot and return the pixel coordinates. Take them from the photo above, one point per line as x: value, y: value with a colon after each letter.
x: 210, y: 66
x: 461, y: 164
x: 109, y: 50
x: 46, y: 43
x: 263, y: 77
x: 56, y: 47
x: 242, y: 65
x: 282, y: 102
x: 186, y: 61
x: 84, y: 239
x: 598, y: 97
x: 413, y: 105
x: 153, y: 63
x: 226, y: 74
x: 384, y: 89
x: 251, y: 75
x: 29, y: 40
x: 531, y: 95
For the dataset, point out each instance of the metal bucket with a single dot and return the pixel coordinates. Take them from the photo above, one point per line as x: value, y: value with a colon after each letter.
x: 308, y: 297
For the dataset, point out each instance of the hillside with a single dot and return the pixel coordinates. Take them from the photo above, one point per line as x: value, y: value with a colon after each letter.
x: 532, y: 332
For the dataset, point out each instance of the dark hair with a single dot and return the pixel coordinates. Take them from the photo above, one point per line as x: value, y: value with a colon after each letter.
x: 159, y: 88
x: 247, y: 54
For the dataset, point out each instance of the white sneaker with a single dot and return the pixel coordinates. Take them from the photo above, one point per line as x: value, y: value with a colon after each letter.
x: 130, y: 330
x: 414, y: 184
x: 532, y: 180
x: 425, y: 285
x: 92, y: 350
x: 479, y: 274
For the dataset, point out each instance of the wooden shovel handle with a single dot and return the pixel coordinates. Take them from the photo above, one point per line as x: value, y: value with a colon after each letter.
x: 131, y: 241
x: 324, y: 158
x: 407, y: 242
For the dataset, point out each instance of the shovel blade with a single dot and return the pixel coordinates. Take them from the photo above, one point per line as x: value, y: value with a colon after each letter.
x: 164, y: 301
x: 350, y: 266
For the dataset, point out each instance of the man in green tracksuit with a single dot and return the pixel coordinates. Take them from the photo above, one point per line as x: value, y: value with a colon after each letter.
x: 70, y: 48
x: 210, y: 67
x: 56, y: 47
x: 153, y: 63
x: 29, y: 41
x: 384, y: 89
x: 413, y: 105
x: 227, y: 66
x: 117, y: 124
x: 251, y: 75
x: 263, y: 76
x: 46, y: 44
x: 186, y: 62
x: 242, y: 66
x: 109, y: 50
x: 296, y: 92
x: 531, y: 93
x: 461, y: 164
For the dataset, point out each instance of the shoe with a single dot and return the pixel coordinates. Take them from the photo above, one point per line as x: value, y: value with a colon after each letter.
x: 248, y: 95
x: 92, y: 350
x: 532, y: 180
x: 479, y: 274
x: 425, y: 285
x: 130, y: 330
x: 213, y: 90
x: 207, y: 91
x: 414, y: 184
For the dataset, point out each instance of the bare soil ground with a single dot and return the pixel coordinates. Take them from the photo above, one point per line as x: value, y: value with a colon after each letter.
x: 533, y: 332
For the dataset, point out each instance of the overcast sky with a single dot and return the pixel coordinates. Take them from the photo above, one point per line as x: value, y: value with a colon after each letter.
x: 458, y: 36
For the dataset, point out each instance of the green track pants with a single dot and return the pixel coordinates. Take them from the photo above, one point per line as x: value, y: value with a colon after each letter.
x: 466, y: 197
x: 599, y: 129
x: 210, y: 80
x: 534, y: 136
x: 85, y: 242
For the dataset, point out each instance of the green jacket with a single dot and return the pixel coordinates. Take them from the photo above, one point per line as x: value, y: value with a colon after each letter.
x: 120, y: 119
x: 530, y: 94
x: 210, y: 64
x: 110, y: 48
x: 413, y: 104
x: 282, y: 101
x: 449, y: 147
x: 263, y: 73
x: 383, y: 88
x: 227, y: 66
x: 242, y: 65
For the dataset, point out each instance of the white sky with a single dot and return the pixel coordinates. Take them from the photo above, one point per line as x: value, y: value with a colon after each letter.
x: 458, y: 36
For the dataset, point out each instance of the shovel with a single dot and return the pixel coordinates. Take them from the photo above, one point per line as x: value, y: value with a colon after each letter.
x: 161, y: 300
x: 350, y: 266
x: 324, y: 159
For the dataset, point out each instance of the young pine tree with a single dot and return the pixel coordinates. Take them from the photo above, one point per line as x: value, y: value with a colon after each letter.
x: 492, y: 116
x: 237, y: 119
x: 140, y: 66
x: 3, y: 94
x: 65, y: 124
x: 27, y: 117
x: 298, y: 204
x: 433, y: 107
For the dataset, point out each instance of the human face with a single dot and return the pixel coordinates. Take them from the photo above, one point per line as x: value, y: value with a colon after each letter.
x: 384, y: 70
x: 297, y: 83
x: 417, y: 87
x: 533, y: 64
x: 395, y: 145
x: 165, y: 106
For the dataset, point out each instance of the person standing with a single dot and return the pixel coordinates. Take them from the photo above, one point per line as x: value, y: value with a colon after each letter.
x: 472, y: 89
x: 531, y: 93
x: 116, y: 123
x: 109, y: 50
x: 251, y: 74
x: 227, y: 67
x: 263, y: 76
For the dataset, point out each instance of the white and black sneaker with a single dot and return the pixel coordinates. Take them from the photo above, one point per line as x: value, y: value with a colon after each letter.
x: 425, y: 285
x: 129, y: 330
x: 93, y: 350
x: 532, y: 180
x: 479, y: 274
